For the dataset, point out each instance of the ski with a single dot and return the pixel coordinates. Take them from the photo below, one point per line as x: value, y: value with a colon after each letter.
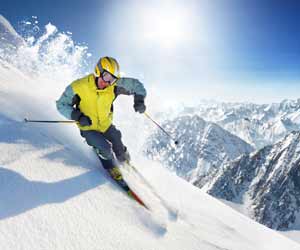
x: 173, y: 213
x: 117, y: 176
x: 135, y: 197
x: 115, y: 173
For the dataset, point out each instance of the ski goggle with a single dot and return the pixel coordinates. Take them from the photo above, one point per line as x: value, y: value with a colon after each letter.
x: 108, y: 78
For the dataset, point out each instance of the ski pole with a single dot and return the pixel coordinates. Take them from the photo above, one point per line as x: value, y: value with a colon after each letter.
x: 175, y: 141
x: 45, y: 121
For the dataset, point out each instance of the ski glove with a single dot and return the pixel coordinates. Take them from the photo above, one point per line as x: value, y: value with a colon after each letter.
x: 139, y: 105
x: 78, y: 116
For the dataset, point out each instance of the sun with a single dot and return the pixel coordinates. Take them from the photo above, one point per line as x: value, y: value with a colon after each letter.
x: 165, y: 25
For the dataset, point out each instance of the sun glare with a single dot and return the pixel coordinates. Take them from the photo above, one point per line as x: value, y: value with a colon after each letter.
x: 167, y: 27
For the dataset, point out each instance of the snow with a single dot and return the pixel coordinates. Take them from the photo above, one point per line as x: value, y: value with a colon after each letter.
x: 6, y: 25
x: 55, y: 195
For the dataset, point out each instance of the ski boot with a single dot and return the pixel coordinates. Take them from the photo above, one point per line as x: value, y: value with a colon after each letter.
x: 115, y: 173
x: 124, y: 158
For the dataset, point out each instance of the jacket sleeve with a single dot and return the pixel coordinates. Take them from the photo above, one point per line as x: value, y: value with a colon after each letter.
x: 130, y: 86
x: 66, y: 102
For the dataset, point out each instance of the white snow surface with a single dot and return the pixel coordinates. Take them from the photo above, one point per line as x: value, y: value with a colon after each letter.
x: 55, y: 195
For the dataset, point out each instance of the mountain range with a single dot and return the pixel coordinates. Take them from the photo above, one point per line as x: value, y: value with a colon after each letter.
x: 257, y: 124
x: 261, y: 178
x: 266, y: 183
x: 203, y: 147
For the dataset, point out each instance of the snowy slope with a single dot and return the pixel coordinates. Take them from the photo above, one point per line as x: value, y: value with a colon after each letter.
x: 54, y: 197
x: 54, y: 194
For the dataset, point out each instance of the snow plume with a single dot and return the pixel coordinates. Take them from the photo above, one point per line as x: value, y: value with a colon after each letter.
x: 36, y: 65
x: 47, y: 52
x: 43, y: 60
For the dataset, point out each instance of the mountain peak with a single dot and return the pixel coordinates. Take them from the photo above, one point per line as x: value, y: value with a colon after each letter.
x: 267, y: 182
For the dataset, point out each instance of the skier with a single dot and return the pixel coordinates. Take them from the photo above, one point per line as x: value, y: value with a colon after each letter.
x: 89, y: 101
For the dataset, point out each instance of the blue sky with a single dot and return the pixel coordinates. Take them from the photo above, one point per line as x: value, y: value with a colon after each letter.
x: 224, y: 44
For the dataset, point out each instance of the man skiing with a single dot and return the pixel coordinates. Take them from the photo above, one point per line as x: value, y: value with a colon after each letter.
x: 89, y: 101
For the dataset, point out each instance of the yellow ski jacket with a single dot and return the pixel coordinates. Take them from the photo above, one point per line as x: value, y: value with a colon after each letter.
x: 95, y: 103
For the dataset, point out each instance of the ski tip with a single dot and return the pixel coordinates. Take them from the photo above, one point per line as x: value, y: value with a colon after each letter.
x: 135, y: 197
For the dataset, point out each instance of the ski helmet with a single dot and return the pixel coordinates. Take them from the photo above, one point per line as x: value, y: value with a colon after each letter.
x: 108, y: 64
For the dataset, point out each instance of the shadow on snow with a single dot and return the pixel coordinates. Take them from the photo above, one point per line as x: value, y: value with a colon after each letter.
x: 18, y: 194
x: 14, y: 132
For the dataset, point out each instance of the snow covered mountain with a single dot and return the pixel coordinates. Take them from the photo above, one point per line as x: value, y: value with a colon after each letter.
x: 203, y: 147
x: 259, y: 125
x: 265, y: 183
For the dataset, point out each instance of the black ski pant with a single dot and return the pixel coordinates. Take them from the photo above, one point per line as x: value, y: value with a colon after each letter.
x: 106, y: 144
